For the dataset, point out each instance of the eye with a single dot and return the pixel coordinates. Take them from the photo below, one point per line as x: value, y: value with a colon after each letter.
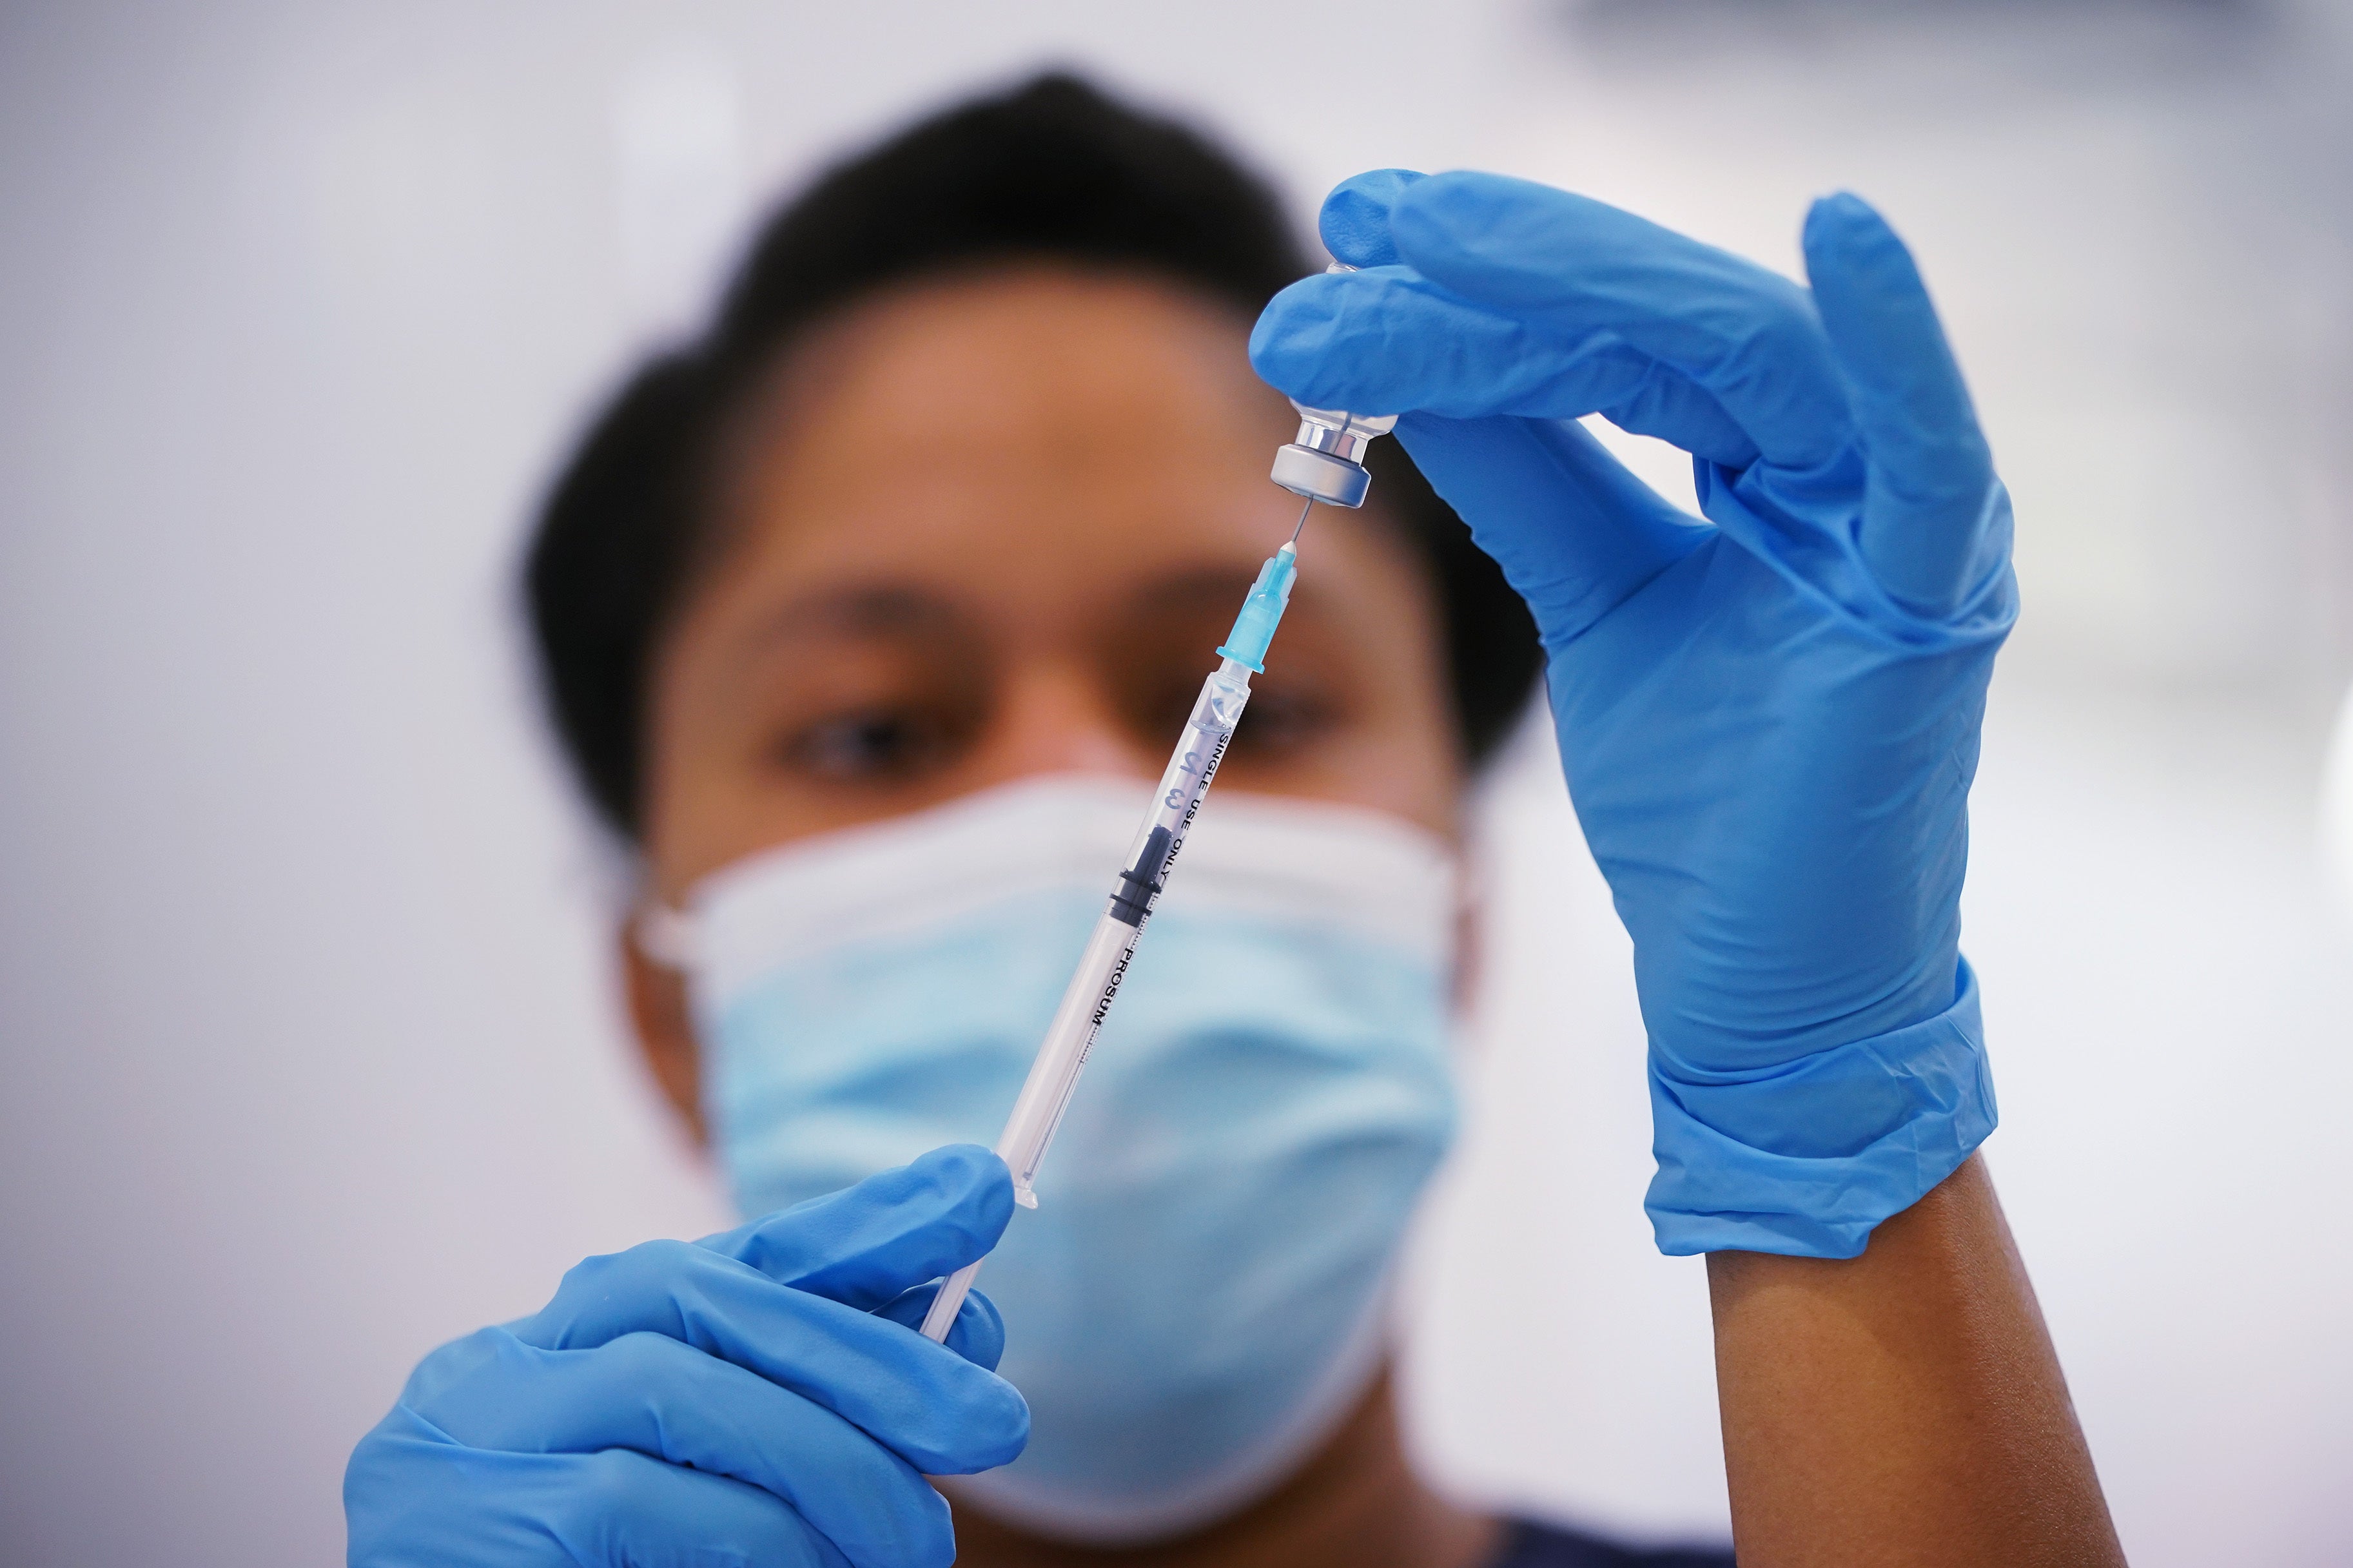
x: 1283, y: 720
x: 870, y: 744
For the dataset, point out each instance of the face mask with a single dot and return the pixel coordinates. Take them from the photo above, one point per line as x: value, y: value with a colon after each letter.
x: 1196, y: 1300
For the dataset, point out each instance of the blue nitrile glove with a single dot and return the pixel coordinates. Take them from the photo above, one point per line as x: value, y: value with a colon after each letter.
x: 1770, y: 720
x: 760, y: 1396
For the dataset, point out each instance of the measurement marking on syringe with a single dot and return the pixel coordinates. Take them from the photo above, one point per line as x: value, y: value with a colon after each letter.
x: 1322, y: 464
x: 1103, y: 968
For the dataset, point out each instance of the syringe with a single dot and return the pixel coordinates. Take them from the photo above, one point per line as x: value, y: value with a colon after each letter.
x: 1321, y: 471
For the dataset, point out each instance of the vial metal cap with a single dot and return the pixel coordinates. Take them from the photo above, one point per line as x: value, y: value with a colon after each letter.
x: 1320, y: 476
x: 1326, y: 462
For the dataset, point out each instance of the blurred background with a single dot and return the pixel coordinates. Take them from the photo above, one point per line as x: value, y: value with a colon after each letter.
x: 311, y: 1053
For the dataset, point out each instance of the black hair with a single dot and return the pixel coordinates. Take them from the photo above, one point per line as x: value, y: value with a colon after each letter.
x: 1051, y: 170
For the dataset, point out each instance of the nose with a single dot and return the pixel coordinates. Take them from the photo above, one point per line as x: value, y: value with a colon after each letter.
x: 1051, y: 717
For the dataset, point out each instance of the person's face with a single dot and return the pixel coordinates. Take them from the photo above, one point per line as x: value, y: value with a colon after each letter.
x: 993, y: 527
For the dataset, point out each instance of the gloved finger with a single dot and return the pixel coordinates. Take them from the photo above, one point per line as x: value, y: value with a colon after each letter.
x: 622, y: 1510
x: 1574, y: 532
x: 867, y: 1244
x: 1573, y: 267
x: 1928, y: 531
x: 1354, y: 222
x: 412, y: 1496
x: 977, y: 1334
x: 926, y: 1403
x: 1386, y: 340
x: 663, y: 1399
x: 1668, y: 405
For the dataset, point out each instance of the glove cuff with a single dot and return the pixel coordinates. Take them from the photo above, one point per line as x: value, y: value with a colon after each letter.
x: 1806, y: 1160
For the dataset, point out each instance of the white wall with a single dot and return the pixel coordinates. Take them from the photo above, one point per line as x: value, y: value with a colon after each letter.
x: 310, y: 1060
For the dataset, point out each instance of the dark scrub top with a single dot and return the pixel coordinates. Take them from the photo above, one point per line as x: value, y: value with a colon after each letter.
x: 1548, y: 1546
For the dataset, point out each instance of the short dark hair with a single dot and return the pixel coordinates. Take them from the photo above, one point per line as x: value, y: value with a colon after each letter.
x: 1052, y: 170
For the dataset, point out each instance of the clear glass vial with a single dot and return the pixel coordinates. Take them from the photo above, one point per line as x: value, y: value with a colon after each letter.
x: 1325, y: 461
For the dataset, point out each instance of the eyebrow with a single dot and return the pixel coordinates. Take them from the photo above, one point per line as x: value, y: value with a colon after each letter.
x: 893, y: 609
x: 1206, y: 587
x: 1210, y: 596
x: 869, y: 610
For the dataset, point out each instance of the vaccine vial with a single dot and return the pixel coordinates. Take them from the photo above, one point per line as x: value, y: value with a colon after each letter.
x: 1325, y: 461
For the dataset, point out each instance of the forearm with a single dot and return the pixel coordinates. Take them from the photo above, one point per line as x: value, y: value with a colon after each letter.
x: 1904, y: 1406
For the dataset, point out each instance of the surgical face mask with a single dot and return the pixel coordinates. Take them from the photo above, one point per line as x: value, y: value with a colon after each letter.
x: 1197, y: 1300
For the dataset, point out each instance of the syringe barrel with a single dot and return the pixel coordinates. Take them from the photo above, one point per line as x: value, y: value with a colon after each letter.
x: 1208, y: 731
x: 1054, y: 1073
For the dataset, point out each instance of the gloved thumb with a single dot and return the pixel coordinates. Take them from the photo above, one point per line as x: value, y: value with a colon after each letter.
x: 866, y: 1244
x: 977, y: 1334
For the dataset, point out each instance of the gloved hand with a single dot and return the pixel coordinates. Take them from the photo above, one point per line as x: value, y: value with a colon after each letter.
x: 760, y: 1396
x: 1768, y: 721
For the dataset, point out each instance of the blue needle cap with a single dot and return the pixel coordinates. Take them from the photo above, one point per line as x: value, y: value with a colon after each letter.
x: 1254, y: 628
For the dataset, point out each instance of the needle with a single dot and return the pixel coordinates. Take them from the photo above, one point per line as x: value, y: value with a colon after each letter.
x: 1302, y: 520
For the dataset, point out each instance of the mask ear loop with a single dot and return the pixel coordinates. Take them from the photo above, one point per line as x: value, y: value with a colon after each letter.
x: 667, y: 936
